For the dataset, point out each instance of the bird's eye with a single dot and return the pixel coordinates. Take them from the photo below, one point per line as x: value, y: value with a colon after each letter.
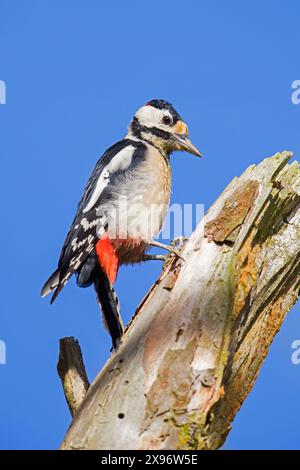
x: 167, y: 120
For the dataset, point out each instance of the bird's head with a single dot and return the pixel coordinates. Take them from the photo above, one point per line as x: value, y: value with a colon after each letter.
x: 160, y: 124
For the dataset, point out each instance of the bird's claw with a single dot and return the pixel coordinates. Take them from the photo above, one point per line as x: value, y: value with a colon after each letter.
x: 171, y: 249
x: 177, y: 254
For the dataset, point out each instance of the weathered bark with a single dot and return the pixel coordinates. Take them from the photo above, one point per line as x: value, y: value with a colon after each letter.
x: 194, y: 348
x: 72, y: 373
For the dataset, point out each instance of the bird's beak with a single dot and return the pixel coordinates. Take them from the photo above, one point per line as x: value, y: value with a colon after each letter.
x: 182, y: 140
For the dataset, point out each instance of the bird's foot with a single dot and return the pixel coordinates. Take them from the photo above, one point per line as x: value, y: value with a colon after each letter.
x: 170, y: 248
x: 179, y: 242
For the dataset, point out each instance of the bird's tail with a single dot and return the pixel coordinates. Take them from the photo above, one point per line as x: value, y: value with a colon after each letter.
x: 51, y: 284
x: 109, y: 303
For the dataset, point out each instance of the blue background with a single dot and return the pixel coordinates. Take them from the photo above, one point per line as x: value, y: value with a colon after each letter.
x: 76, y: 71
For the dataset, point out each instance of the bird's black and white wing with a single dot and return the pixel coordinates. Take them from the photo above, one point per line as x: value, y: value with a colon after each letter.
x: 89, y: 223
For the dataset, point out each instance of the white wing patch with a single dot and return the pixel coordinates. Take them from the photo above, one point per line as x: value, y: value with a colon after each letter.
x: 120, y: 161
x: 88, y: 225
x: 78, y: 244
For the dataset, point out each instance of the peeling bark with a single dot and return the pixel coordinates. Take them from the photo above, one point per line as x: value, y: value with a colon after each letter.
x: 193, y: 350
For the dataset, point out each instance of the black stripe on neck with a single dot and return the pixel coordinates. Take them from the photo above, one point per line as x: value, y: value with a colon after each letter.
x: 137, y: 129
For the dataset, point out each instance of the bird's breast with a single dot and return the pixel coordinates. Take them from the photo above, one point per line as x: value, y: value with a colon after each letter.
x: 144, y: 205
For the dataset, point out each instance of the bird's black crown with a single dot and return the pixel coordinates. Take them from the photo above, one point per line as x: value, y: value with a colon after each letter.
x: 162, y: 104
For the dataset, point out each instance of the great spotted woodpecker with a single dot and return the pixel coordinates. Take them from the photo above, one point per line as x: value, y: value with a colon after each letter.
x: 122, y: 208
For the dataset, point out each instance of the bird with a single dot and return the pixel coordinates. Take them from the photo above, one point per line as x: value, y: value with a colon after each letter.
x: 122, y: 209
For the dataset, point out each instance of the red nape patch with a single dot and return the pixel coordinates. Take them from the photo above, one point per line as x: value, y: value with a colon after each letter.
x: 107, y: 258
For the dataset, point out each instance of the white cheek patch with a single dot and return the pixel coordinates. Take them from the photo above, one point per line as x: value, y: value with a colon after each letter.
x: 149, y: 116
x: 121, y: 161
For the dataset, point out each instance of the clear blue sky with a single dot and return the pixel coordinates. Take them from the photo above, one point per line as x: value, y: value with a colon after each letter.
x: 75, y: 72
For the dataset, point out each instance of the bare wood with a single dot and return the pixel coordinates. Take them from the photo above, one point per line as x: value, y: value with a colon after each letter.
x: 192, y: 352
x: 72, y: 373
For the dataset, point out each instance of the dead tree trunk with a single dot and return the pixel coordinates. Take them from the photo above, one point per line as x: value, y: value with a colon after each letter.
x: 194, y: 348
